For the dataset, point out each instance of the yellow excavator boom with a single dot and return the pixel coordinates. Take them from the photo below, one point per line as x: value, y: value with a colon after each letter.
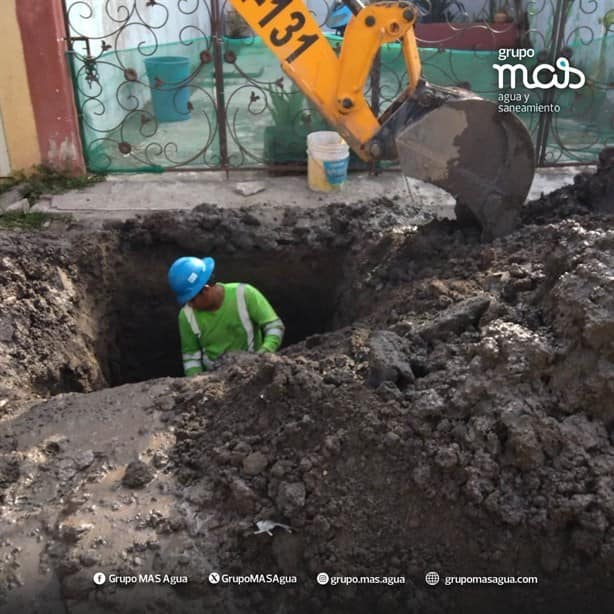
x: 447, y: 136
x: 334, y: 84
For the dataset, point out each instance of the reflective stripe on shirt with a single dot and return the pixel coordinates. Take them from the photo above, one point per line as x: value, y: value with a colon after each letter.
x: 276, y: 327
x: 190, y: 364
x: 277, y: 332
x: 191, y: 318
x: 244, y: 317
x: 193, y: 356
x: 194, y: 360
x: 278, y: 324
x: 206, y: 362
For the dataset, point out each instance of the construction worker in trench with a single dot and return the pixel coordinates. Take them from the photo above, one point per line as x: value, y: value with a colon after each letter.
x: 217, y: 318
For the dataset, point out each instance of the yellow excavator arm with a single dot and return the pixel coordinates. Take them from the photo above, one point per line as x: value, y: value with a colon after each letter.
x: 335, y: 84
x: 447, y: 136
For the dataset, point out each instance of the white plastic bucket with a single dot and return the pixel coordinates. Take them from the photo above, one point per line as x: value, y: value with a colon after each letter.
x: 327, y: 161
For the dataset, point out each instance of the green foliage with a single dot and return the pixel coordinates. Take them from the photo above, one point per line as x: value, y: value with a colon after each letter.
x: 439, y: 11
x: 46, y: 180
x: 98, y: 157
x: 608, y: 21
x: 293, y: 119
x: 286, y: 106
x: 235, y: 26
x: 6, y: 183
x: 25, y: 221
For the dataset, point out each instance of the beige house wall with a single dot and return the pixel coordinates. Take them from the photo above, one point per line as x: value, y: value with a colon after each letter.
x: 19, y: 129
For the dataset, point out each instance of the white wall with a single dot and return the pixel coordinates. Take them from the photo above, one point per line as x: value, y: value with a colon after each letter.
x: 585, y: 33
x: 126, y: 24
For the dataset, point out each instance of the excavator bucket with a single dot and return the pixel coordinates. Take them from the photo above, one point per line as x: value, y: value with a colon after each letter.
x: 462, y: 143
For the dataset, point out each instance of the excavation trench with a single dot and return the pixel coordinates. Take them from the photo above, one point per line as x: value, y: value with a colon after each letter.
x: 105, y: 315
x: 455, y: 416
x: 139, y: 336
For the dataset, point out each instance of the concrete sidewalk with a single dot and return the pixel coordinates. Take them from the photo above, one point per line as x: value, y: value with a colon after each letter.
x: 123, y: 196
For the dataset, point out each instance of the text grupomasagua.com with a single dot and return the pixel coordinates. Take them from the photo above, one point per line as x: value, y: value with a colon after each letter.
x: 432, y: 578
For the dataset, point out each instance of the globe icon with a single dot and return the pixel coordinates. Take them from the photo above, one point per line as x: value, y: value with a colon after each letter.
x: 431, y: 578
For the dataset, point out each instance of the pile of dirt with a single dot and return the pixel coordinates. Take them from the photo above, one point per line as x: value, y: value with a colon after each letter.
x: 454, y: 414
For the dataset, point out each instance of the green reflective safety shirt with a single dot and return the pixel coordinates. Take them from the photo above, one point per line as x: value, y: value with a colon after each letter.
x: 245, y: 321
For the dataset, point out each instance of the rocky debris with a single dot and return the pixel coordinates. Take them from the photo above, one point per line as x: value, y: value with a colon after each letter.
x: 268, y: 526
x: 88, y: 559
x: 455, y: 319
x: 244, y: 498
x: 389, y: 360
x: 137, y: 475
x: 20, y: 206
x: 523, y: 445
x: 591, y: 193
x: 581, y: 305
x: 73, y: 532
x: 595, y: 191
x: 9, y: 198
x: 290, y: 497
x: 84, y: 459
x: 454, y: 414
x: 9, y: 470
x: 249, y: 188
x: 254, y: 463
x: 159, y: 459
x: 6, y: 329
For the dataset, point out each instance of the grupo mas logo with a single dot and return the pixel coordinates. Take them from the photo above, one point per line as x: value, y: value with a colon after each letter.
x: 543, y: 76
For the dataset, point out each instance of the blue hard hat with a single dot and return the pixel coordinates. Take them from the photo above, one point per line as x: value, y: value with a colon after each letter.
x: 339, y: 16
x: 188, y: 276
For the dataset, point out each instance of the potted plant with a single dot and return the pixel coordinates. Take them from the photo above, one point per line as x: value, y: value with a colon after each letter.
x: 235, y: 26
x: 237, y: 35
x: 502, y: 14
x: 447, y: 25
x: 441, y: 11
x: 285, y: 141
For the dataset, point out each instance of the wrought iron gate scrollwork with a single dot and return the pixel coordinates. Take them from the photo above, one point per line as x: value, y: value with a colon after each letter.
x: 110, y: 42
x: 226, y: 104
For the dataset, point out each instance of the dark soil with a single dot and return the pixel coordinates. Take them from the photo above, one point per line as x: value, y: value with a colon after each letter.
x: 445, y: 404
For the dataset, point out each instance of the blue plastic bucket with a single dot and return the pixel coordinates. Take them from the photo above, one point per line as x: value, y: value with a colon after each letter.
x: 170, y: 97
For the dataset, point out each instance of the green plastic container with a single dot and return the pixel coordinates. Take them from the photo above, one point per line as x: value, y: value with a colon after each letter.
x: 169, y: 95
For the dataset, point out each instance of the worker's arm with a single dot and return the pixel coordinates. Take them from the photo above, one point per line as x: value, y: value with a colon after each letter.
x: 264, y: 316
x: 190, y: 347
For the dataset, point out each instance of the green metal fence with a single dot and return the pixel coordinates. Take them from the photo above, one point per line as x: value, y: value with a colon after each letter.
x: 242, y: 112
